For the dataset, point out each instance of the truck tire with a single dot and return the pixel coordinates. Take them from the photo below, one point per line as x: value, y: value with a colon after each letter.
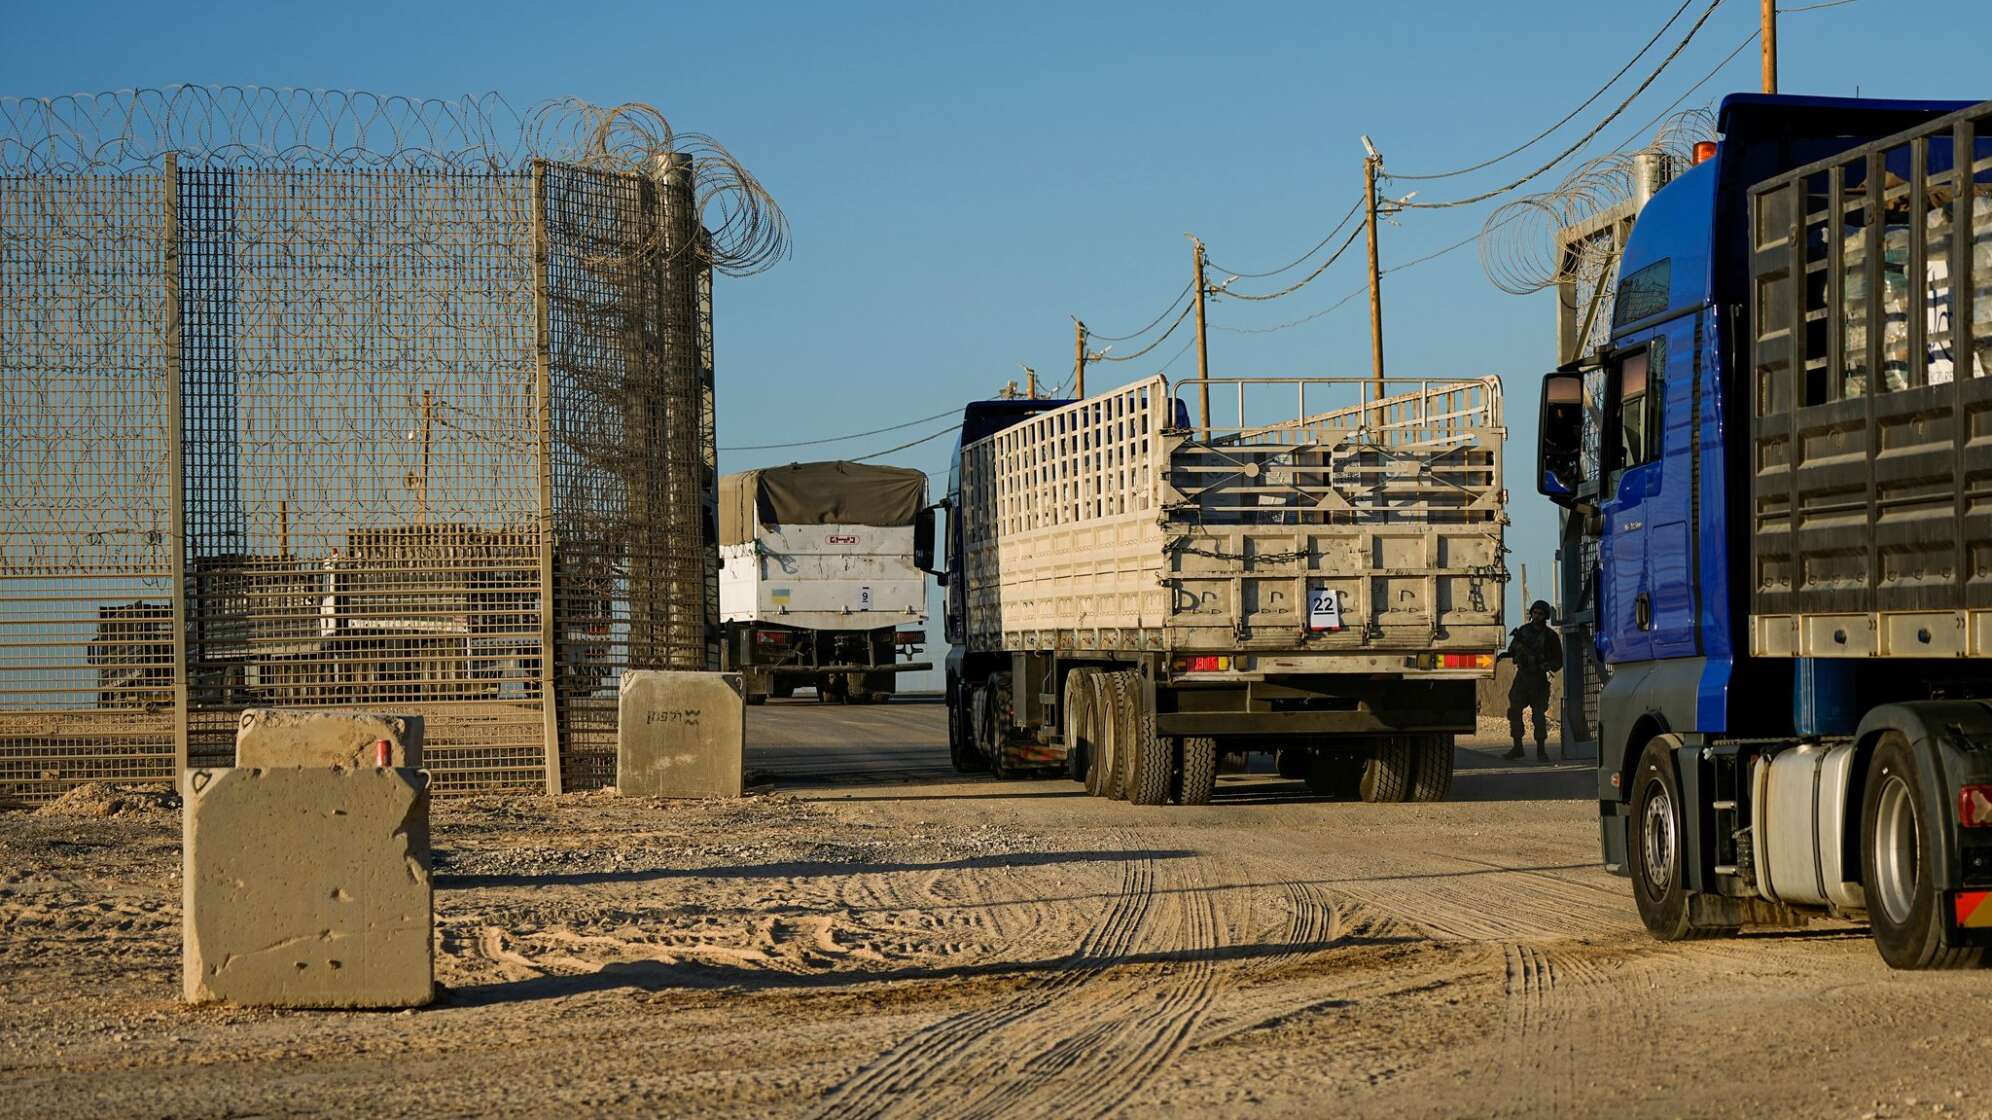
x: 1387, y: 778
x: 1294, y: 764
x: 991, y: 735
x: 1198, y: 776
x: 1076, y: 708
x: 1434, y: 771
x: 1131, y: 735
x: 961, y: 748
x: 1154, y: 761
x: 1899, y: 823
x: 1103, y: 770
x: 1655, y: 856
x: 756, y: 697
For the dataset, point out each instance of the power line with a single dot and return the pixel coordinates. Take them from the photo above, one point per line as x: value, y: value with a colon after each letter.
x: 1303, y: 281
x: 1353, y: 207
x: 1164, y: 337
x: 839, y: 439
x: 1588, y: 136
x: 1568, y: 117
x: 1338, y: 304
x: 1091, y: 333
x: 1690, y: 91
x: 914, y: 443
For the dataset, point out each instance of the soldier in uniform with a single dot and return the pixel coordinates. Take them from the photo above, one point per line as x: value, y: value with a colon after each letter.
x: 1537, y: 651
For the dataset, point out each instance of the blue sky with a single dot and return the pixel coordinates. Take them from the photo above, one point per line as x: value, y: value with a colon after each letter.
x: 960, y: 178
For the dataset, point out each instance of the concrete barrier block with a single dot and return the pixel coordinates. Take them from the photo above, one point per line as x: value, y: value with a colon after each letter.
x: 307, y: 887
x: 680, y: 734
x: 310, y: 737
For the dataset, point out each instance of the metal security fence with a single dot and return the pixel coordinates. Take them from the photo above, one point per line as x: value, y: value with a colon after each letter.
x: 299, y: 410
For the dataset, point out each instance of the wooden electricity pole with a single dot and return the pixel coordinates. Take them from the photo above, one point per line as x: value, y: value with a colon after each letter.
x: 1770, y: 41
x: 1203, y: 340
x: 1078, y: 360
x: 1371, y: 161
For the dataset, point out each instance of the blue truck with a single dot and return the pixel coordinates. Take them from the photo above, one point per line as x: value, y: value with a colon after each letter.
x: 1776, y: 480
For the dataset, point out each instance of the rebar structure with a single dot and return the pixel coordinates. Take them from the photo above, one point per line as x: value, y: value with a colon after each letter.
x: 329, y: 399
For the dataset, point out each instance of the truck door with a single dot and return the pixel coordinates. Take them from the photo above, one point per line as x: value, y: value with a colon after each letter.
x: 1632, y: 469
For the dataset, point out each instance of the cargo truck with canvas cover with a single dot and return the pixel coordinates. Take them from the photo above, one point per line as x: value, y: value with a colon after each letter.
x: 1780, y: 462
x: 817, y: 585
x: 1317, y: 574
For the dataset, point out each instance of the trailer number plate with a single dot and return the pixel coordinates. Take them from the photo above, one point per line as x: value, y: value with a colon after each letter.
x: 1324, y: 608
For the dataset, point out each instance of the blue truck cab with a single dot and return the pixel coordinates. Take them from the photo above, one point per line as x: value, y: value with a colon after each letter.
x: 1724, y: 486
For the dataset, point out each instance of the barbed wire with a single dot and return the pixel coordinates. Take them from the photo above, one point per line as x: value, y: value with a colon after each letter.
x: 130, y: 132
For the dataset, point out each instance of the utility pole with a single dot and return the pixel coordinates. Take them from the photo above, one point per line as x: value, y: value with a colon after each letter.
x: 1078, y: 359
x: 1770, y: 41
x: 1203, y: 339
x: 1030, y: 379
x: 1372, y: 161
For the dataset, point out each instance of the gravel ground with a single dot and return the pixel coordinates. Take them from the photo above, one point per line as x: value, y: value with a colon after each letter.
x: 895, y: 941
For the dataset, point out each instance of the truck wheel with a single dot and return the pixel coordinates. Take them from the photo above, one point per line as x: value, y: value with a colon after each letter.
x: 1199, y: 770
x: 1388, y: 776
x: 991, y: 735
x: 1657, y: 858
x: 1154, y: 762
x: 1103, y: 769
x: 1898, y: 829
x: 961, y: 749
x: 1434, y: 771
x: 1076, y: 707
x: 757, y: 697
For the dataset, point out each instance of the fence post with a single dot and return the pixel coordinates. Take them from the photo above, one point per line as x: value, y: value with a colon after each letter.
x: 176, y: 451
x: 543, y: 454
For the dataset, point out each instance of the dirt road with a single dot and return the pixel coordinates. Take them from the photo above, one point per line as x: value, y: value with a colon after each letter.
x: 871, y: 936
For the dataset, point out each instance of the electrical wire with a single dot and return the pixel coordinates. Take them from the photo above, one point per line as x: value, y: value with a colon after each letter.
x: 1303, y: 281
x: 839, y: 439
x: 1588, y: 136
x: 1338, y: 304
x: 1567, y: 118
x: 1301, y: 259
x: 913, y: 443
x: 1090, y: 333
x: 1163, y: 337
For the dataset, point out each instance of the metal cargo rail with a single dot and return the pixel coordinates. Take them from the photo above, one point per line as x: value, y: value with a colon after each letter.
x: 1872, y: 271
x: 1321, y: 518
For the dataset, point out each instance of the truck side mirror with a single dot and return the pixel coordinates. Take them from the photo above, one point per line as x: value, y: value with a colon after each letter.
x: 923, y: 543
x: 1559, y: 436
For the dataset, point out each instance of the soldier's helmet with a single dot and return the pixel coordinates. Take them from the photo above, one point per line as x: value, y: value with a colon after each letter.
x: 1543, y: 606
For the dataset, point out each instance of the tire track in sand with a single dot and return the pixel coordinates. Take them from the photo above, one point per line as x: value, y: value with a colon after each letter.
x: 937, y: 1055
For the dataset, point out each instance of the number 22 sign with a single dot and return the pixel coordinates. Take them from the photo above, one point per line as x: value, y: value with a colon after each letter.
x: 1324, y: 608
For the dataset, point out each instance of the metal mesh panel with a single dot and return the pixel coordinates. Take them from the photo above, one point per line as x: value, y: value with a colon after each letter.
x: 632, y: 449
x: 86, y: 582
x: 361, y: 492
x: 330, y: 400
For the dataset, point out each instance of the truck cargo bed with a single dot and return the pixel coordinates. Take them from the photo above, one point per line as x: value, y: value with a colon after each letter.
x: 1872, y: 409
x: 1312, y: 523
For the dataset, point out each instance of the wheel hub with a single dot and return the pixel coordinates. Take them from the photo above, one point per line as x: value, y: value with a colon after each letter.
x: 1657, y: 841
x: 1897, y: 848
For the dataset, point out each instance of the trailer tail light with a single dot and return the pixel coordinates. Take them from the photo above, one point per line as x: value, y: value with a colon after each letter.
x: 1202, y: 664
x: 771, y: 637
x: 1974, y: 807
x: 909, y: 637
x: 1973, y: 909
x: 1454, y: 661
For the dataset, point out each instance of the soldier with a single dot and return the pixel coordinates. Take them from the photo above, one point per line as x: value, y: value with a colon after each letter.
x: 1538, y: 652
